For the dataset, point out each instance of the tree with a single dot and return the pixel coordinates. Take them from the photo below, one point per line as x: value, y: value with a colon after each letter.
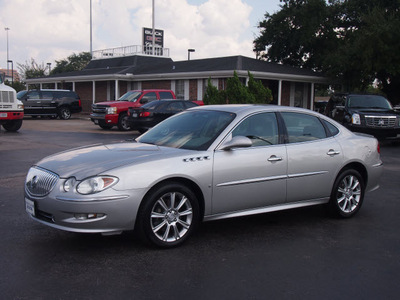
x: 31, y: 69
x: 351, y: 41
x: 74, y: 62
x: 237, y: 92
x: 213, y: 95
x: 261, y: 94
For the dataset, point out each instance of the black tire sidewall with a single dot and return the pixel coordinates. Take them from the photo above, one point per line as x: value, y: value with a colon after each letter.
x: 144, y: 224
x: 120, y: 122
x: 62, y: 114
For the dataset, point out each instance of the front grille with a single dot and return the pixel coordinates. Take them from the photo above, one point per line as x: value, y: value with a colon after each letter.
x: 7, y: 96
x: 380, y: 121
x: 40, y: 182
x: 97, y: 109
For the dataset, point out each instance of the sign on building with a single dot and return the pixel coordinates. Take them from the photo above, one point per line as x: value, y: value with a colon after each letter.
x: 148, y: 41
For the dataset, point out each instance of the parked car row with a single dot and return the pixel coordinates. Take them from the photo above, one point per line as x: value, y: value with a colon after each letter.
x: 137, y: 109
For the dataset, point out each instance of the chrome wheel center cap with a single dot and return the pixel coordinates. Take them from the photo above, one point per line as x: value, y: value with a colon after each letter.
x: 171, y: 216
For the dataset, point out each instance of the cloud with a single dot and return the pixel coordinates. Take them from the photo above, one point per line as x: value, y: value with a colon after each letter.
x: 49, y: 30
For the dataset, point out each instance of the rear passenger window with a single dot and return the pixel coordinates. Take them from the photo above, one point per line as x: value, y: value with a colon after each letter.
x: 166, y: 95
x: 303, y: 127
x: 333, y: 130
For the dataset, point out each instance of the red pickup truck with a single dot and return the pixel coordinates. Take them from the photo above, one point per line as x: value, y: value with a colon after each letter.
x: 115, y: 113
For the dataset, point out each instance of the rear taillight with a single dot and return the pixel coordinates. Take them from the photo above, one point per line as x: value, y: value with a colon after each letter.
x: 144, y: 114
x: 80, y: 104
x: 378, y: 148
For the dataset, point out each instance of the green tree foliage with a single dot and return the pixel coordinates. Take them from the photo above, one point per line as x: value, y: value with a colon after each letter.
x: 353, y: 41
x: 74, y: 62
x: 16, y: 85
x: 237, y: 92
x: 261, y: 94
x: 31, y: 69
x: 212, y: 95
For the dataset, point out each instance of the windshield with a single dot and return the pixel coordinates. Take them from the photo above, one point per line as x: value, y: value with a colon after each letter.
x: 21, y: 94
x: 193, y: 130
x: 368, y: 101
x: 131, y: 96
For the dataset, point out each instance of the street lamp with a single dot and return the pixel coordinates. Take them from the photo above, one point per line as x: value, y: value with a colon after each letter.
x: 49, y: 66
x: 7, y: 29
x: 190, y: 50
x: 12, y: 70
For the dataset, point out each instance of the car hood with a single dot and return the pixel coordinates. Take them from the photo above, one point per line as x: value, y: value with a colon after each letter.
x: 375, y: 111
x: 97, y: 159
x: 117, y: 103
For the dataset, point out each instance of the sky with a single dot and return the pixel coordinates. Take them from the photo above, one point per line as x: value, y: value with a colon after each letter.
x: 50, y: 30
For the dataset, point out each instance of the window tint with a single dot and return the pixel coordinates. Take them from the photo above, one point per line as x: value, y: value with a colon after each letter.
x: 150, y: 96
x: 333, y: 130
x: 189, y: 104
x: 33, y: 95
x: 166, y: 95
x: 261, y: 128
x: 47, y: 95
x: 303, y: 127
x: 175, y: 106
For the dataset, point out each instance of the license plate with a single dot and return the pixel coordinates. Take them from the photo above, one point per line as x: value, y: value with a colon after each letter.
x: 96, y: 122
x: 3, y: 115
x: 134, y: 115
x: 30, y: 207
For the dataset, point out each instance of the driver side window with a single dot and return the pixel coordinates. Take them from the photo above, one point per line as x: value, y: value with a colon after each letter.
x: 261, y: 128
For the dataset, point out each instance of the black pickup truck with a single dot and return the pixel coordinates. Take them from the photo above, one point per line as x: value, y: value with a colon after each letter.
x: 53, y: 103
x: 366, y: 113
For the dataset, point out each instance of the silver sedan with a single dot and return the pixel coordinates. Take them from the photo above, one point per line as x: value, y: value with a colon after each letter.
x: 207, y: 163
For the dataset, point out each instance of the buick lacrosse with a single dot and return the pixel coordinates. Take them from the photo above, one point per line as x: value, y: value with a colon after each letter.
x: 204, y: 164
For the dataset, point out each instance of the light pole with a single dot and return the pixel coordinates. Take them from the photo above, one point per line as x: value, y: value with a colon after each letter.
x: 7, y: 29
x: 12, y: 71
x: 49, y: 66
x: 190, y: 50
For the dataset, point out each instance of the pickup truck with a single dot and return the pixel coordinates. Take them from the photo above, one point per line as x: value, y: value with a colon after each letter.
x: 115, y: 113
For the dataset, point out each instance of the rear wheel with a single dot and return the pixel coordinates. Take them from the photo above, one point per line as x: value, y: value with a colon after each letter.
x: 123, y: 123
x: 169, y: 215
x: 64, y: 113
x: 13, y: 125
x: 347, y: 194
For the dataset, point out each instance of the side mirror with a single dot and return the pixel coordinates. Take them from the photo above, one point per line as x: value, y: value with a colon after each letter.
x: 237, y: 142
x: 144, y: 100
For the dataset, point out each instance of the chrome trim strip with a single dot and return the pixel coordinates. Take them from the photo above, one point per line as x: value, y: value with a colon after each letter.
x: 307, y: 174
x: 261, y: 210
x: 246, y: 181
x: 107, y: 198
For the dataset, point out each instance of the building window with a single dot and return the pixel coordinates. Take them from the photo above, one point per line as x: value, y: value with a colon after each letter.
x: 180, y: 89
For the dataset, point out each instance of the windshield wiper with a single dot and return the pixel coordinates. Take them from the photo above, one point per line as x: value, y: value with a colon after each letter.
x: 254, y: 137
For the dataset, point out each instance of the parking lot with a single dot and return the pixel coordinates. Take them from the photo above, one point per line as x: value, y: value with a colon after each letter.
x: 297, y: 254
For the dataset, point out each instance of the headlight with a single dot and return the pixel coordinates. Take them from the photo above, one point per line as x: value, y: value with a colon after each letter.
x: 355, y: 119
x: 95, y: 184
x: 20, y: 106
x: 111, y: 110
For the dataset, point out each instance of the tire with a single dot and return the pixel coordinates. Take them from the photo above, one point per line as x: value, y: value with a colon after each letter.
x: 169, y: 215
x: 123, y: 124
x: 347, y: 194
x: 13, y: 125
x: 64, y: 113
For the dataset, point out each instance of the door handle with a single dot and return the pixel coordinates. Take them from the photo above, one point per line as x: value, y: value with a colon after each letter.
x: 274, y: 158
x: 332, y: 152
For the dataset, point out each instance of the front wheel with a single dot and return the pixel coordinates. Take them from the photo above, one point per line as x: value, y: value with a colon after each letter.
x: 347, y: 194
x: 123, y: 123
x: 169, y: 215
x: 13, y: 125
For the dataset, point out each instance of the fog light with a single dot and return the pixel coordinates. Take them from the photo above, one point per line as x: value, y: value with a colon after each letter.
x: 88, y: 216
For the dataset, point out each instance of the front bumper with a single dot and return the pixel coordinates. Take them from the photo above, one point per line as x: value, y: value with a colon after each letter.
x: 114, y: 212
x: 11, y: 115
x: 104, y: 119
x: 379, y: 132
